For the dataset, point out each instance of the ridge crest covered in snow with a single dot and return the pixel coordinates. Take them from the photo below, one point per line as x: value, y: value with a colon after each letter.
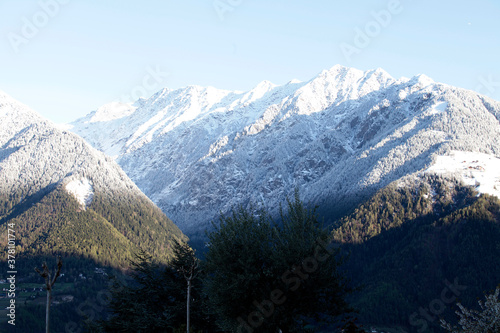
x: 340, y: 136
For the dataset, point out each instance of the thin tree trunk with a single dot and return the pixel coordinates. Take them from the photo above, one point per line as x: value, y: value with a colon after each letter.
x: 49, y: 283
x: 188, y: 304
x: 47, y: 312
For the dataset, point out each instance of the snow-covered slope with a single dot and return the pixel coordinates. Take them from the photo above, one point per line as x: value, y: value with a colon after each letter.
x: 481, y: 171
x: 34, y: 154
x: 197, y: 151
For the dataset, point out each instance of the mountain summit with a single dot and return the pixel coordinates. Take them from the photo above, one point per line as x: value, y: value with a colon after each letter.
x: 339, y: 137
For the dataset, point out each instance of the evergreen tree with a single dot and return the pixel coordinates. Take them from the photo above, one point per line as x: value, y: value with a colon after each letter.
x: 186, y: 263
x: 270, y: 277
x: 350, y: 326
x: 155, y: 297
x: 147, y: 303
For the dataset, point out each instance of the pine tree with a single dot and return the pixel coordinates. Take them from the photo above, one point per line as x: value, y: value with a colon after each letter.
x: 186, y: 263
x: 271, y: 277
x: 143, y: 304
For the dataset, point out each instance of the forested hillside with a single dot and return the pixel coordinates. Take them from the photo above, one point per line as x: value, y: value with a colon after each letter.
x: 407, y: 245
x: 107, y: 232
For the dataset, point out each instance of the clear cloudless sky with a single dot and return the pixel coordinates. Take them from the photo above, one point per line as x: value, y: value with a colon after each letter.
x: 66, y: 58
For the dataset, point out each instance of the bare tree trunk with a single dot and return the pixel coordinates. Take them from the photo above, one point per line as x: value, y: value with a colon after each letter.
x: 49, y: 284
x: 47, y: 312
x: 188, y: 304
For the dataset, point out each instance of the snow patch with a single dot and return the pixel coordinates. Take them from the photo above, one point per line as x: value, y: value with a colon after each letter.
x: 82, y: 190
x: 475, y: 169
x: 437, y: 108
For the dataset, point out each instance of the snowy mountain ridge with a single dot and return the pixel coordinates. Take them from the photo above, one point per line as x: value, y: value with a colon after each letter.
x: 167, y: 109
x: 66, y: 197
x: 196, y: 151
x: 35, y: 154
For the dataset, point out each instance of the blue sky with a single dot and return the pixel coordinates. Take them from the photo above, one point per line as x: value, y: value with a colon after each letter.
x: 65, y: 58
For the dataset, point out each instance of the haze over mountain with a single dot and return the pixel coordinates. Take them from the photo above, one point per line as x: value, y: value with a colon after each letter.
x: 63, y: 196
x: 339, y: 137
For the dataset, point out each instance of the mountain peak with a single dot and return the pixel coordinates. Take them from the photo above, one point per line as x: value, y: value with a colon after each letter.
x: 16, y: 116
x: 6, y: 98
x: 294, y: 81
x: 338, y: 71
x: 345, y: 76
x: 258, y: 92
x: 422, y: 80
x: 263, y: 87
x: 9, y: 105
x: 112, y: 111
x: 85, y: 190
x: 381, y: 72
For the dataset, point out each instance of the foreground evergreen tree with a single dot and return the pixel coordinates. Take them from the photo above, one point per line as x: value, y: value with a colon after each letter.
x: 139, y: 305
x: 186, y: 263
x: 268, y: 277
x: 350, y: 326
x: 472, y: 321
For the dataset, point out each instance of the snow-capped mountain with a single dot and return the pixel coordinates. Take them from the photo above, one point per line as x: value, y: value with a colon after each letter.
x: 35, y: 154
x: 37, y: 158
x: 199, y: 151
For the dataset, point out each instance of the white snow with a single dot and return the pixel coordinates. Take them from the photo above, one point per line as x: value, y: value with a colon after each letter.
x: 339, y: 84
x: 63, y: 127
x: 112, y: 111
x: 14, y: 116
x: 475, y: 169
x: 35, y: 154
x: 258, y: 92
x: 82, y: 190
x: 424, y: 80
x: 437, y: 108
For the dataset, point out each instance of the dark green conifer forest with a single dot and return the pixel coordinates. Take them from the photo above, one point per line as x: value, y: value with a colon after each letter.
x: 407, y: 246
x: 94, y: 243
